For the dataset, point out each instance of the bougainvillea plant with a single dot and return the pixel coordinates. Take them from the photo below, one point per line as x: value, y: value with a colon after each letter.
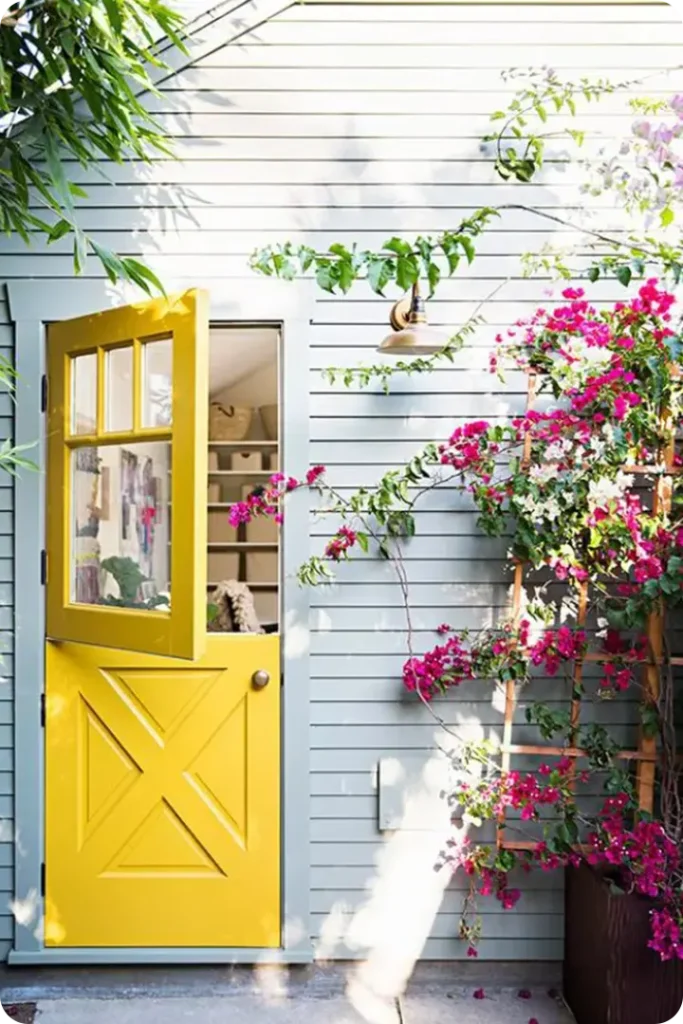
x: 557, y: 483
x: 570, y: 485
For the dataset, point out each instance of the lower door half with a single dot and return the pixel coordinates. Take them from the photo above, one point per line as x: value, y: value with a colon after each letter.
x: 162, y: 797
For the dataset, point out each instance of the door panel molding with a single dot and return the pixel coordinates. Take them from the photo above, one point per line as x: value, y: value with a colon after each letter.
x: 291, y: 306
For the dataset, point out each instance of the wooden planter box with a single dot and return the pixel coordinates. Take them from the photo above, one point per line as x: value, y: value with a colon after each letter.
x: 610, y: 975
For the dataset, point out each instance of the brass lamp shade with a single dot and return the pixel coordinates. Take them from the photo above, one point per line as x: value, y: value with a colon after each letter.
x: 412, y: 335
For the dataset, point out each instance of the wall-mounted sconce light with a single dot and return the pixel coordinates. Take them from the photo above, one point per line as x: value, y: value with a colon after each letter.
x: 412, y: 335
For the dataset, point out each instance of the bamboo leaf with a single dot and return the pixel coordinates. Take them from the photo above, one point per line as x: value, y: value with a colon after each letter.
x: 58, y: 230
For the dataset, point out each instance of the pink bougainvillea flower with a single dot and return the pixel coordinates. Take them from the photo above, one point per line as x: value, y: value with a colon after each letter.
x: 472, y: 952
x: 314, y: 474
x: 524, y: 993
x: 510, y: 897
x: 479, y: 993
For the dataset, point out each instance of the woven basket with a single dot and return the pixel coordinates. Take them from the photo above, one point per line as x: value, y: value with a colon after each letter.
x: 229, y: 422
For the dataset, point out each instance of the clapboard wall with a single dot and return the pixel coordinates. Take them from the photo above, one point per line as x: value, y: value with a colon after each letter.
x: 353, y: 123
x: 6, y: 651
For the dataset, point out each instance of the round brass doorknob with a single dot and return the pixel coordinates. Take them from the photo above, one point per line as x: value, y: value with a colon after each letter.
x: 260, y: 679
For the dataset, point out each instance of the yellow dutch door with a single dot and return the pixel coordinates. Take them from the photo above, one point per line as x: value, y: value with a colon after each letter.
x: 162, y: 755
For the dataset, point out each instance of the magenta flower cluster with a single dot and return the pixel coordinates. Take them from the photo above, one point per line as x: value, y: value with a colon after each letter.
x: 267, y: 501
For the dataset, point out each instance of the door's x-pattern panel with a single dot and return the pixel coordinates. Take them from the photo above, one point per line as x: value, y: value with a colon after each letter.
x: 160, y: 768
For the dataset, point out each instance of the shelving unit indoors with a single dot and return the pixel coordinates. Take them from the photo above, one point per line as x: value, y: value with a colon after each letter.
x: 243, y: 379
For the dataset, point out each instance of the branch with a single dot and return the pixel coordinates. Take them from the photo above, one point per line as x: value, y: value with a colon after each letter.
x: 11, y: 18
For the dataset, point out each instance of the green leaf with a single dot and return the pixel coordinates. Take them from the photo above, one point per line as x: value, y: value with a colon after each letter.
x: 593, y: 273
x: 624, y: 275
x: 453, y: 261
x: 101, y: 20
x: 68, y: 41
x: 56, y: 168
x: 399, y: 246
x: 111, y: 263
x: 325, y: 277
x: 347, y: 275
x: 306, y: 258
x: 58, y: 230
x: 80, y: 251
x: 434, y: 276
x: 380, y: 272
x: 498, y: 115
x: 666, y: 217
x: 18, y: 173
x: 141, y: 275
x: 467, y: 246
x: 407, y: 272
x: 541, y: 111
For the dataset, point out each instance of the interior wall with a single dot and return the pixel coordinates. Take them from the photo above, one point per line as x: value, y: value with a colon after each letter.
x: 257, y: 389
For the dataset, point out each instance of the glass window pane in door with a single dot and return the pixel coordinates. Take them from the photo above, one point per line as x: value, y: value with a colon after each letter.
x: 84, y: 394
x: 118, y: 403
x: 121, y: 530
x: 157, y: 383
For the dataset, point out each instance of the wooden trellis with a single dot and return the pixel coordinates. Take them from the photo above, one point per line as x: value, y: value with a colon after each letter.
x: 645, y: 753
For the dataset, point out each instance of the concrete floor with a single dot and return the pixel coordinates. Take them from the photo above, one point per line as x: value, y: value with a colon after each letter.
x: 317, y: 994
x: 456, y: 1006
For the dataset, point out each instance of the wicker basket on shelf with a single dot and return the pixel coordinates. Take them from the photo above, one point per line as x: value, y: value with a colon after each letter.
x: 229, y: 422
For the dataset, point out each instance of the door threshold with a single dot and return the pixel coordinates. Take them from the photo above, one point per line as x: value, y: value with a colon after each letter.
x: 103, y: 956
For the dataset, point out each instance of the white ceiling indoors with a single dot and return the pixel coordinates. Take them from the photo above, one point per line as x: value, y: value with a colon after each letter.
x: 237, y: 352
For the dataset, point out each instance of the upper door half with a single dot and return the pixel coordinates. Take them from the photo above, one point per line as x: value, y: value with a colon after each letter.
x: 126, y: 478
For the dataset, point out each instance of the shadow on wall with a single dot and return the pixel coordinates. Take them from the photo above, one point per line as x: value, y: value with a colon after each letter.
x: 391, y: 926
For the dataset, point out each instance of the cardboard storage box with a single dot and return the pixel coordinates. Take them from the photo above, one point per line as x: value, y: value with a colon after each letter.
x: 261, y: 530
x: 219, y: 527
x: 262, y: 567
x: 246, y: 462
x: 266, y: 603
x: 223, y: 565
x: 214, y: 492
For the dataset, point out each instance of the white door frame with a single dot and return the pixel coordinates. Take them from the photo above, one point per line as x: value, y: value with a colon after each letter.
x: 33, y: 304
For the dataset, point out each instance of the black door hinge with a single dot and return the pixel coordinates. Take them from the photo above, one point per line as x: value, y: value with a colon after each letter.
x: 42, y: 710
x: 42, y: 879
x: 43, y: 393
x: 43, y: 567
